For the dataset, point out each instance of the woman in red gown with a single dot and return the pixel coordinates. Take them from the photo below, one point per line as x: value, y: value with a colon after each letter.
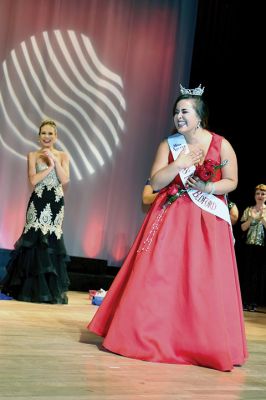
x: 176, y: 299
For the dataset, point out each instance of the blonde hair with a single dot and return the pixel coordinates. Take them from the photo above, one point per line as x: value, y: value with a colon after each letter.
x: 48, y: 122
x: 261, y: 186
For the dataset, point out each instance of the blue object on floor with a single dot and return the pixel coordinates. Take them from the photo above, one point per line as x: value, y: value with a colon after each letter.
x: 97, y: 300
x: 5, y: 297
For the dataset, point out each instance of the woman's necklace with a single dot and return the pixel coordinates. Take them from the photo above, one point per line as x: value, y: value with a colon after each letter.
x: 258, y: 211
x: 260, y: 208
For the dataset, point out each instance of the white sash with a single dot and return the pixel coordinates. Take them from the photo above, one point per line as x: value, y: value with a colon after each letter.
x: 205, y: 201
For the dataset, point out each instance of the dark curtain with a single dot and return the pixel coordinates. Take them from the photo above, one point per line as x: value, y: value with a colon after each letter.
x: 227, y: 59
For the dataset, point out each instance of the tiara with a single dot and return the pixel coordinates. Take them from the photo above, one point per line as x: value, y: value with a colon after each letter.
x: 193, y: 92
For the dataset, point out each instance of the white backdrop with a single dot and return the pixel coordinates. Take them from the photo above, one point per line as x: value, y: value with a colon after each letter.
x: 107, y: 72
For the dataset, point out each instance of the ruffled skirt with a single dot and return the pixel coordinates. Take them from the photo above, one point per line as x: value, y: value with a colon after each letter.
x: 37, y: 269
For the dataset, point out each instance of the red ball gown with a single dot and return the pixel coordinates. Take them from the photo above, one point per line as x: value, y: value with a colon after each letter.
x: 176, y: 298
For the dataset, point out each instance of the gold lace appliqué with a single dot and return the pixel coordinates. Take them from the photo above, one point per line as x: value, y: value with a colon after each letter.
x: 50, y: 182
x: 45, y: 222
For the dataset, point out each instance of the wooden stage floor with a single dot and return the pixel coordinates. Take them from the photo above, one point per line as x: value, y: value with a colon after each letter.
x: 47, y: 353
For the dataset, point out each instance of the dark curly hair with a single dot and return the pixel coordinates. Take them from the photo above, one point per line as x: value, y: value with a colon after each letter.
x: 200, y: 107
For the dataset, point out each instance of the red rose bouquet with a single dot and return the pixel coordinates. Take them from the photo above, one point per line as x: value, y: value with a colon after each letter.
x: 205, y: 172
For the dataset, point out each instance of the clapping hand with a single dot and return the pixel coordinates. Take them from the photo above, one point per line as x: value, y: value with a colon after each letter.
x: 50, y: 156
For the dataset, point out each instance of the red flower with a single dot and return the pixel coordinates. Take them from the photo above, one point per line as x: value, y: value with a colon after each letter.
x: 172, y: 190
x: 207, y: 170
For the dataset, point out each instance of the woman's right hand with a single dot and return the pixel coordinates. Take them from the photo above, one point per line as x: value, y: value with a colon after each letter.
x: 51, y: 162
x: 186, y: 160
x: 49, y: 156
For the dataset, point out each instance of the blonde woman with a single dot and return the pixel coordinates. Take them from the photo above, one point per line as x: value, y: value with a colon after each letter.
x: 37, y: 271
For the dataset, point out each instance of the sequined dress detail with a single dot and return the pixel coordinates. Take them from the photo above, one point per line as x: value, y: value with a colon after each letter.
x: 253, y: 262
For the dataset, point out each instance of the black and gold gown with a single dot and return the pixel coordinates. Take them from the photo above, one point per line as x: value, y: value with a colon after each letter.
x: 37, y: 269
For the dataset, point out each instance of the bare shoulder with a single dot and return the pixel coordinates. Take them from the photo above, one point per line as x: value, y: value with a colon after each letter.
x: 163, y: 146
x: 63, y: 155
x: 162, y: 152
x: 32, y: 155
x: 227, y: 150
x: 161, y: 158
x: 226, y: 145
x: 228, y: 154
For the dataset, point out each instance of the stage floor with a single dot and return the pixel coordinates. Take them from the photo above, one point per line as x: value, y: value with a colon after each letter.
x: 47, y: 353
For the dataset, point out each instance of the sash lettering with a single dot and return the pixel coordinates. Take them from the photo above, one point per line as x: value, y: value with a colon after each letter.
x: 205, y: 201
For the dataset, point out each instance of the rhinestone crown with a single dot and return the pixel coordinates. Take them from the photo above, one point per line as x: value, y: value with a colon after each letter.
x: 193, y: 92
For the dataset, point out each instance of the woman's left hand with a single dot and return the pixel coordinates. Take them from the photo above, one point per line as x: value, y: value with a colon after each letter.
x: 51, y: 157
x: 196, y: 183
x: 49, y: 154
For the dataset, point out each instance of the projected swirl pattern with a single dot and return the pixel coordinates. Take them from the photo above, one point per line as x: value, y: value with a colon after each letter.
x: 59, y: 75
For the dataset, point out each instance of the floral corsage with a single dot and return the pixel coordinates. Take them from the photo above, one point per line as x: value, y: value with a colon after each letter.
x: 205, y: 172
